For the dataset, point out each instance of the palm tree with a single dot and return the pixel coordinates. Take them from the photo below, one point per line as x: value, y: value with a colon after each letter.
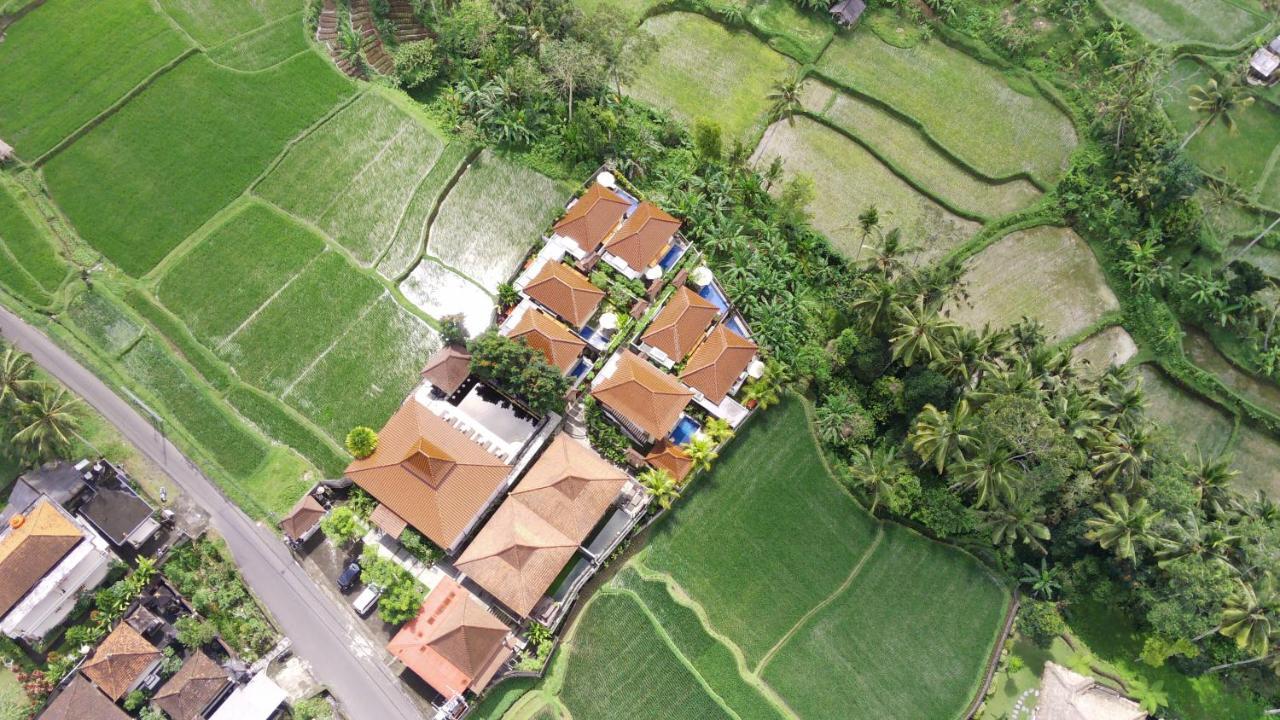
x: 785, y: 97
x: 660, y: 485
x: 876, y: 471
x: 1247, y: 619
x: 1042, y: 580
x: 990, y: 470
x: 878, y: 300
x: 922, y: 332
x: 46, y: 423
x: 1212, y: 479
x: 1016, y: 522
x: 718, y: 430
x: 939, y: 436
x: 1191, y: 538
x: 1123, y: 526
x: 16, y: 369
x: 1122, y: 457
x: 837, y: 418
x: 1214, y: 101
x: 702, y: 451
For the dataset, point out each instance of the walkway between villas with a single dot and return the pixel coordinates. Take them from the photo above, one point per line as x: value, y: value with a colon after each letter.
x: 323, y: 634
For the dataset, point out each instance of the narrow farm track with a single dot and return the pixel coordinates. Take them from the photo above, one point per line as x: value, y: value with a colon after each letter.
x: 323, y: 634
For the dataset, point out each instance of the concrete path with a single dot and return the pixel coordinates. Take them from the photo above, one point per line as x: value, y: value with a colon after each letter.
x: 323, y: 634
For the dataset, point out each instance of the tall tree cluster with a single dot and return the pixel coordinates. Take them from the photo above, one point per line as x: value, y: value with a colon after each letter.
x: 38, y: 418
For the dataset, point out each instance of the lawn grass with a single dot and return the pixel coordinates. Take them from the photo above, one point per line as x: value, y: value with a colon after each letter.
x: 107, y: 326
x: 286, y: 335
x: 13, y: 701
x: 765, y: 537
x: 280, y: 481
x: 873, y: 637
x: 1256, y: 456
x: 491, y: 218
x: 604, y: 687
x: 1111, y: 346
x: 26, y: 239
x: 1186, y: 420
x: 356, y: 175
x: 498, y: 700
x: 634, y: 10
x: 212, y: 22
x: 264, y: 47
x: 848, y: 179
x: 996, y: 123
x: 1175, y: 22
x: 76, y: 59
x: 365, y: 375
x: 907, y: 148
x: 441, y: 292
x: 1045, y: 273
x: 1259, y: 391
x: 256, y: 251
x: 702, y: 70
x: 407, y: 245
x: 177, y: 153
x: 795, y: 32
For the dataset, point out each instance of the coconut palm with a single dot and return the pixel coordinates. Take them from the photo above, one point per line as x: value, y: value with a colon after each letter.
x: 1216, y: 101
x: 1248, y: 615
x: 1191, y: 538
x: 660, y: 485
x: 875, y: 471
x: 922, y: 333
x: 46, y: 422
x: 785, y: 99
x: 702, y: 451
x: 1120, y: 457
x: 1212, y: 477
x: 878, y: 300
x: 16, y: 370
x: 989, y: 470
x: 1016, y: 522
x: 1123, y: 527
x: 940, y: 436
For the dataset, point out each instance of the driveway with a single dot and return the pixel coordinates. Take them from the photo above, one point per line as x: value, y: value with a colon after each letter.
x: 340, y: 653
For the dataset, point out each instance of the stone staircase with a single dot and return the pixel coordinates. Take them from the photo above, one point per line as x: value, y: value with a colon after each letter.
x: 327, y: 35
x: 408, y: 27
x: 374, y: 52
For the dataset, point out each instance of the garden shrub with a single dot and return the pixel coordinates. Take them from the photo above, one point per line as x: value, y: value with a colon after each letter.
x: 1040, y: 622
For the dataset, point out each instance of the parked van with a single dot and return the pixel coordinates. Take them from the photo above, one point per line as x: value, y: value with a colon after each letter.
x: 367, y: 598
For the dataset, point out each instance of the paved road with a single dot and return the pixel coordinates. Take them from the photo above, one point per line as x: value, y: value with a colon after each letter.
x: 322, y: 633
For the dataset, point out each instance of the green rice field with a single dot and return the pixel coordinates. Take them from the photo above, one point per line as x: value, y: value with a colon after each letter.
x: 1045, y: 273
x: 1187, y: 421
x: 62, y: 84
x: 794, y: 32
x: 212, y: 22
x: 1112, y: 346
x: 410, y: 239
x: 24, y: 237
x: 104, y: 322
x: 1259, y: 391
x: 1256, y: 456
x: 1174, y: 22
x: 853, y: 179
x: 702, y: 70
x: 264, y: 47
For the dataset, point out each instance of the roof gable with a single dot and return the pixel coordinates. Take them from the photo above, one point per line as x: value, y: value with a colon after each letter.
x: 304, y: 516
x: 120, y: 660
x: 565, y: 292
x: 570, y: 486
x: 560, y: 345
x: 516, y: 556
x: 81, y: 700
x: 590, y: 220
x: 643, y: 236
x: 448, y: 369
x: 718, y: 362
x: 668, y: 456
x: 645, y: 397
x: 30, y: 551
x: 680, y: 324
x: 190, y: 691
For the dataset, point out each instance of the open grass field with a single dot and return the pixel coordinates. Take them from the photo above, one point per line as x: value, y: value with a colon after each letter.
x: 211, y: 22
x: 1256, y: 456
x: 264, y: 47
x: 848, y: 179
x: 802, y: 35
x: 1175, y: 22
x: 906, y: 147
x: 996, y: 123
x: 28, y: 242
x: 1045, y: 273
x: 103, y: 49
x: 177, y: 153
x: 1186, y: 420
x: 635, y: 10
x: 491, y: 218
x: 357, y: 174
x: 231, y: 256
x: 1112, y: 346
x: 702, y: 70
x: 1201, y: 351
x: 440, y: 292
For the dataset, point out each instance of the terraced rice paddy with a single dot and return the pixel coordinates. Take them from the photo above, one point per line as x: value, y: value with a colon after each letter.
x: 1112, y: 346
x: 102, y: 320
x: 1045, y: 273
x: 1175, y: 22
x: 1256, y: 456
x: 702, y: 70
x: 32, y: 265
x: 1200, y: 350
x: 998, y: 124
x: 264, y: 47
x: 852, y: 179
x: 62, y: 84
x: 794, y: 32
x: 1187, y: 421
x: 212, y: 22
x: 440, y: 293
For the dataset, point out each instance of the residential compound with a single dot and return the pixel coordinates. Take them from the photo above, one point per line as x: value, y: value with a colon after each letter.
x: 525, y: 509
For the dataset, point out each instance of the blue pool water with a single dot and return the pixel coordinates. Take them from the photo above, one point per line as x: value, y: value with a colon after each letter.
x: 684, y: 430
x: 736, y: 326
x: 672, y: 257
x: 713, y: 294
x: 580, y: 368
x: 593, y: 336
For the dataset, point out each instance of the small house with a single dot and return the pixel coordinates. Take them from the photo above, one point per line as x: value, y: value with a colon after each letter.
x: 1264, y: 65
x: 848, y: 12
x: 644, y: 400
x: 1067, y: 695
x: 80, y: 700
x: 198, y: 686
x: 122, y: 662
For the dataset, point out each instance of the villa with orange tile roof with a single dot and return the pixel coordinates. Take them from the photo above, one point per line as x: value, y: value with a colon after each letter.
x: 565, y: 292
x: 641, y: 241
x: 678, y: 327
x: 561, y: 346
x: 718, y: 364
x: 591, y: 219
x: 666, y: 455
x: 645, y: 400
x: 121, y: 662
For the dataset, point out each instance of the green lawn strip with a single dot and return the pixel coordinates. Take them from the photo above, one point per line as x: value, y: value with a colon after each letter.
x: 709, y: 657
x: 288, y: 427
x: 175, y: 155
x: 28, y: 242
x: 286, y: 335
x: 101, y: 51
x: 995, y: 122
x: 367, y: 372
x: 487, y: 244
x: 863, y: 637
x: 1188, y: 421
x: 908, y: 151
x: 407, y: 246
x: 264, y: 47
x: 703, y: 70
x: 636, y: 10
x: 1269, y: 189
x: 498, y: 700
x: 1212, y: 22
x: 255, y: 251
x: 766, y: 536
x: 1047, y: 273
x: 801, y: 34
x: 655, y: 683
x: 848, y: 179
x: 212, y: 22
x: 107, y: 327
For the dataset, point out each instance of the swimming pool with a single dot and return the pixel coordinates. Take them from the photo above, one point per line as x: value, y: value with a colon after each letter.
x: 736, y: 326
x: 712, y: 293
x: 684, y: 430
x: 672, y: 257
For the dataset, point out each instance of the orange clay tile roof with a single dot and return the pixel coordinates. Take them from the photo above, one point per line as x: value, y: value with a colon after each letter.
x: 648, y: 398
x: 718, y: 363
x: 645, y: 234
x: 304, y: 516
x: 561, y: 346
x: 32, y: 550
x: 570, y: 486
x: 453, y: 642
x: 517, y: 555
x: 565, y: 292
x: 593, y: 217
x: 680, y: 324
x: 668, y: 456
x: 387, y: 521
x: 429, y: 473
x: 196, y: 684
x: 120, y: 661
x: 82, y: 701
x: 448, y: 368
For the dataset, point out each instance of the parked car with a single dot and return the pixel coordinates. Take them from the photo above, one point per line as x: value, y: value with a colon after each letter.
x: 367, y: 598
x: 349, y: 577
